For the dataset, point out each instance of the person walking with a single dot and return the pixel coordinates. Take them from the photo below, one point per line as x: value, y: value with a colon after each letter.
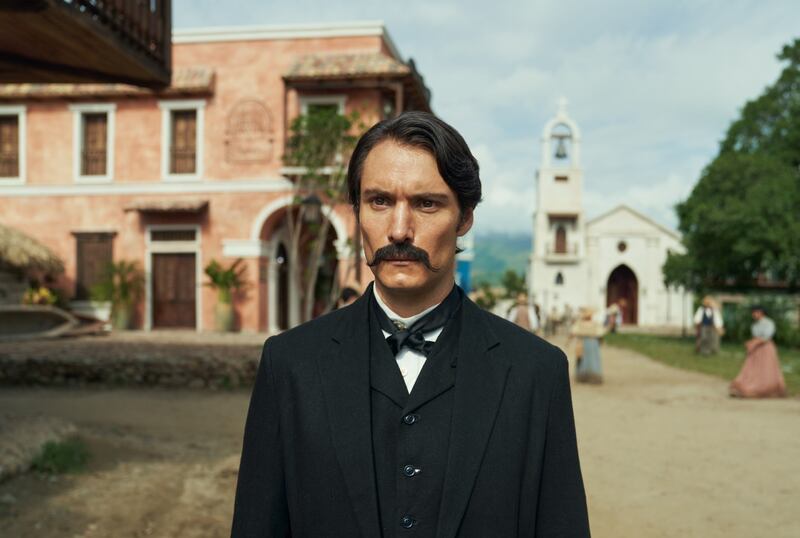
x: 588, y: 335
x: 761, y: 375
x: 709, y: 327
x: 524, y: 314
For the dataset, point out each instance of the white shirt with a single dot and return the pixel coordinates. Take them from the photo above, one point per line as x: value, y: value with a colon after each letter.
x: 533, y: 319
x: 713, y: 313
x: 409, y: 361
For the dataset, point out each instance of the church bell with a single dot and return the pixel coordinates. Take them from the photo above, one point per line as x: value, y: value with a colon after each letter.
x: 561, y: 148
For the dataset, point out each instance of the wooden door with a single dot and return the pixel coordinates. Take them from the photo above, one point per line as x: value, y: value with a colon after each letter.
x: 561, y: 240
x: 174, y: 293
x: 623, y: 289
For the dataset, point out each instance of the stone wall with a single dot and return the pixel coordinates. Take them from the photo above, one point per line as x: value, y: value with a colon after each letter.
x: 189, y: 362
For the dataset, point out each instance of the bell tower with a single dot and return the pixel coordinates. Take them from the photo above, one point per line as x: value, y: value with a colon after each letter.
x: 557, y: 271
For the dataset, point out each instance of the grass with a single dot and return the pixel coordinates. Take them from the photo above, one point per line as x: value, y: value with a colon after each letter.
x: 679, y: 352
x: 58, y: 457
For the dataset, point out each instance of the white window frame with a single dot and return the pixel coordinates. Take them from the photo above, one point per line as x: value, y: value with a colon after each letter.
x: 171, y: 247
x: 167, y: 107
x: 20, y: 112
x: 78, y: 112
x: 338, y: 99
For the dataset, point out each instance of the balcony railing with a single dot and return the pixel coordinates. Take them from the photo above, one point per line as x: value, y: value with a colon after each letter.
x: 143, y: 23
x: 80, y: 41
x: 569, y: 249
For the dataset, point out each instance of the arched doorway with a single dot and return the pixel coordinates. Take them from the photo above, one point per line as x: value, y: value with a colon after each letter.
x: 623, y: 288
x: 284, y: 297
x: 282, y: 262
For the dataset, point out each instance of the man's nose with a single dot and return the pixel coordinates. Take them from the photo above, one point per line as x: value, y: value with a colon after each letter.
x: 402, y: 227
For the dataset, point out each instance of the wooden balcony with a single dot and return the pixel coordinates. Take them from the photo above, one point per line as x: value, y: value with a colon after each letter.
x: 562, y: 253
x: 79, y: 41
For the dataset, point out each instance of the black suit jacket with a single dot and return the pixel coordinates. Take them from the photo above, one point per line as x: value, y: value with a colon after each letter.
x: 307, y: 464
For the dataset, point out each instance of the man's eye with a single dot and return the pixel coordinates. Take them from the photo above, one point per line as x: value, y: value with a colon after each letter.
x: 427, y: 204
x: 379, y: 200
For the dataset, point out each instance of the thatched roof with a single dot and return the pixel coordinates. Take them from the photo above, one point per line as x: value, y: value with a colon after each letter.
x: 23, y: 252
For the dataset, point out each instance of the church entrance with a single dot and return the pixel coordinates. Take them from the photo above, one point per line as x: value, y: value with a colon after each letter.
x: 623, y: 289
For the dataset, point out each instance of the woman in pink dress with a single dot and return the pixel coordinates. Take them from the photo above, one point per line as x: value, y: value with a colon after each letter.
x: 760, y: 376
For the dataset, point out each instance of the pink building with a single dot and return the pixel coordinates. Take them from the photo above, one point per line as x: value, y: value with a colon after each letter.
x: 176, y: 178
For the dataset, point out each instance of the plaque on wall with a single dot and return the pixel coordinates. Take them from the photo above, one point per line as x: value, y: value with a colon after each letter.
x: 249, y: 136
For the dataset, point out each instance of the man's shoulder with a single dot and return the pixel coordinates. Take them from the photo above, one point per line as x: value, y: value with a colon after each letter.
x: 522, y: 347
x: 310, y: 332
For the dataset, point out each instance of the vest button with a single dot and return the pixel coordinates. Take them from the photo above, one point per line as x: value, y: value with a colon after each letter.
x: 410, y: 470
x: 407, y: 522
x: 410, y: 419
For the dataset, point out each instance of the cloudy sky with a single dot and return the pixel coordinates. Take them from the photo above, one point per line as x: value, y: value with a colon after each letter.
x: 653, y: 85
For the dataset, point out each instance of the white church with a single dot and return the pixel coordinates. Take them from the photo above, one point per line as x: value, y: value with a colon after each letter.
x: 615, y: 257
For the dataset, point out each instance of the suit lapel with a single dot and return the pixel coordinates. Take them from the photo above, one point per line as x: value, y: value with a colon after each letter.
x: 346, y: 387
x: 480, y: 381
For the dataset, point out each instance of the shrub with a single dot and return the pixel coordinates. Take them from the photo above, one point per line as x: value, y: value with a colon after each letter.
x: 781, y: 309
x: 59, y: 457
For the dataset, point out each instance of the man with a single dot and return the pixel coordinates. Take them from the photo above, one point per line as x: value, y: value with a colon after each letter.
x: 708, y: 327
x: 411, y: 412
x: 524, y: 314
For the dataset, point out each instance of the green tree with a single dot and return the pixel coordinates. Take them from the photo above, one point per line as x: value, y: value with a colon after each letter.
x: 513, y: 284
x: 742, y: 220
x: 485, y: 297
x: 318, y: 145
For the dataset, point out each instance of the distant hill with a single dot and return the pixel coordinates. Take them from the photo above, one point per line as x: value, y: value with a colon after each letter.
x: 497, y: 251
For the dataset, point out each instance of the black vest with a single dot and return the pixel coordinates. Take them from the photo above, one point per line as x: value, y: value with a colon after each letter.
x: 411, y: 432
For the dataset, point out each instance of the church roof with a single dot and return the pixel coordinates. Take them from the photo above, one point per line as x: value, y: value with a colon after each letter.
x: 641, y: 216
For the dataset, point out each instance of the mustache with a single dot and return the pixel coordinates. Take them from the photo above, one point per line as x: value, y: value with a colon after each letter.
x: 402, y: 251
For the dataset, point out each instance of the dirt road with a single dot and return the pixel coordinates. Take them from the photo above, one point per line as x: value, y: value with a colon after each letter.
x: 664, y: 452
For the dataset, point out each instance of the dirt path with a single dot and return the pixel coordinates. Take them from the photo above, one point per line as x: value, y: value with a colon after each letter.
x: 665, y: 453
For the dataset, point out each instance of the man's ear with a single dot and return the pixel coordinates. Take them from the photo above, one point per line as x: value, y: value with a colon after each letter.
x: 465, y: 224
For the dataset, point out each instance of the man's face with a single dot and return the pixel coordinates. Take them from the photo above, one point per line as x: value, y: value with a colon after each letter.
x: 404, y: 199
x: 757, y: 314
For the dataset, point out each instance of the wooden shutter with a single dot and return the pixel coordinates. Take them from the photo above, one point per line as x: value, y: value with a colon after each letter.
x: 94, y: 254
x: 94, y: 144
x: 184, y: 142
x: 561, y: 240
x: 9, y: 146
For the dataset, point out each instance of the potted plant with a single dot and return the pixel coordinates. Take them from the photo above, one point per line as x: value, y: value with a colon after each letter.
x: 122, y: 284
x: 226, y: 281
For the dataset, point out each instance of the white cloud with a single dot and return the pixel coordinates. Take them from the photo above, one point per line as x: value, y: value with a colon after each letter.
x: 654, y: 199
x: 653, y: 85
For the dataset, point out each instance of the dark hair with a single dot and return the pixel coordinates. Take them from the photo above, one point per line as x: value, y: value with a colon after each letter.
x: 423, y: 130
x: 348, y: 293
x: 758, y: 307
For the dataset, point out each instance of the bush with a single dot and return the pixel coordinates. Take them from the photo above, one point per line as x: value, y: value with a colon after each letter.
x: 61, y: 457
x: 781, y: 309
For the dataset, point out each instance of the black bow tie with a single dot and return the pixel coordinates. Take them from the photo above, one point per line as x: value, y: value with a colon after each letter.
x: 413, y: 336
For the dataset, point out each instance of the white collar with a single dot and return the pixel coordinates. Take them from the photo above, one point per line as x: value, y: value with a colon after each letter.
x: 396, y: 317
